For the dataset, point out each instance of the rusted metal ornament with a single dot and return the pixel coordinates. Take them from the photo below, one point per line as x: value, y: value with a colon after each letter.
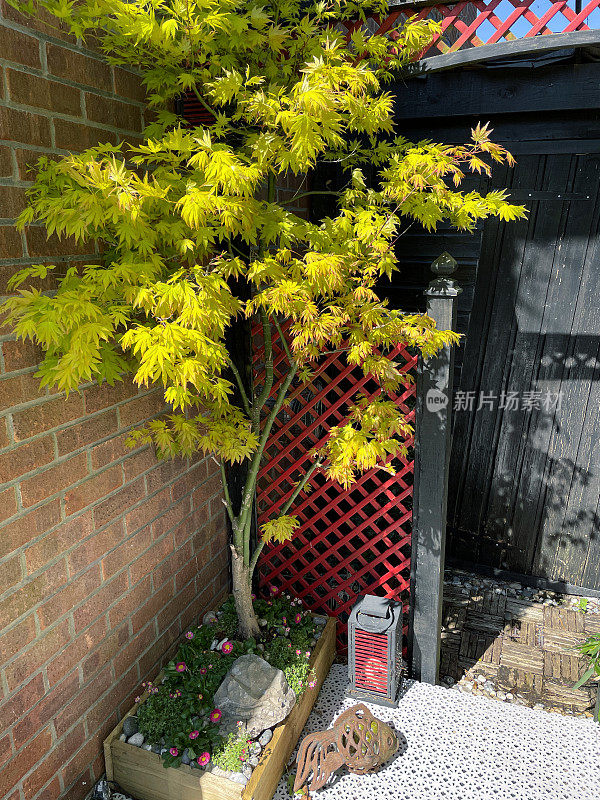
x: 358, y: 739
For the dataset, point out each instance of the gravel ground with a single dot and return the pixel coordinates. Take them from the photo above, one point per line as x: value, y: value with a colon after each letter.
x: 458, y: 747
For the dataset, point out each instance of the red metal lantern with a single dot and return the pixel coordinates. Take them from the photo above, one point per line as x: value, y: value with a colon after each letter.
x: 374, y: 650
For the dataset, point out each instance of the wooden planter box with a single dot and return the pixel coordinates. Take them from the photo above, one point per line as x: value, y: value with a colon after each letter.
x: 141, y: 772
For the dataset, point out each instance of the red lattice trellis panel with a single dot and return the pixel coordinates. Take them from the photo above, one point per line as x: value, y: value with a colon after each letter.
x: 471, y: 24
x: 350, y: 541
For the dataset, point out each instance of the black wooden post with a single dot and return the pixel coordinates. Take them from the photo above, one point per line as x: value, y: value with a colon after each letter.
x: 432, y: 456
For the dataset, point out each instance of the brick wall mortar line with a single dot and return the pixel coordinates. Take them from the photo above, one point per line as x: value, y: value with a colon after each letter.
x: 40, y: 401
x: 69, y: 614
x: 51, y: 115
x: 47, y: 38
x: 83, y: 87
x: 95, y: 532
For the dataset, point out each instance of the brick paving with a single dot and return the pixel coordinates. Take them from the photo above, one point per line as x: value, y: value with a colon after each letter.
x: 523, y: 646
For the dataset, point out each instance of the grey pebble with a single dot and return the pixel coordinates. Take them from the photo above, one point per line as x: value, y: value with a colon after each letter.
x: 137, y: 740
x: 130, y: 726
x: 265, y: 737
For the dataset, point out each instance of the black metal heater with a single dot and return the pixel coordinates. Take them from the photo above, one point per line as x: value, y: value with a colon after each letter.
x: 375, y: 650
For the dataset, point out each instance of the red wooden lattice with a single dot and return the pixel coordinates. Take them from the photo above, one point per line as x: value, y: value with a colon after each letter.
x: 351, y: 541
x: 471, y: 24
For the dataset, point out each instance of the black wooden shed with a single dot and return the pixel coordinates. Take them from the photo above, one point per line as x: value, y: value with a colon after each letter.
x: 525, y: 465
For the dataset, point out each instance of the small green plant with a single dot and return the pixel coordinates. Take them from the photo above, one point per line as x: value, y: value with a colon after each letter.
x: 233, y: 751
x: 591, y: 650
x: 293, y: 662
x: 159, y: 717
x: 583, y: 604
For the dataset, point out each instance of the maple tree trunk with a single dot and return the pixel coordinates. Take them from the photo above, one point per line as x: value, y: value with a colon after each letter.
x: 242, y: 593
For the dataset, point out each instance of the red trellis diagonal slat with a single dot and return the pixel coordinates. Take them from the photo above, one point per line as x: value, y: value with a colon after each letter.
x: 471, y: 24
x: 350, y: 541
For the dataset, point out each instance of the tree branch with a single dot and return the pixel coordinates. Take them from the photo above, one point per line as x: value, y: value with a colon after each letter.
x: 259, y: 548
x: 240, y: 385
x: 269, y: 374
x: 204, y: 103
x: 255, y: 465
x: 305, y: 194
x: 226, y: 495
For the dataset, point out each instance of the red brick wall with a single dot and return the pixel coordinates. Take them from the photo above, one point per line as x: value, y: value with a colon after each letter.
x: 106, y: 555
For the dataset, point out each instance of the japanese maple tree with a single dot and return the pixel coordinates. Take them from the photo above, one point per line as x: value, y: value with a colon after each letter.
x: 191, y: 212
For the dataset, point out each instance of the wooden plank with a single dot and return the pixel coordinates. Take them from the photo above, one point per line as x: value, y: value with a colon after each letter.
x: 522, y: 656
x: 524, y: 610
x: 489, y: 92
x: 591, y: 624
x: 432, y: 457
x: 530, y: 263
x: 141, y: 773
x: 559, y: 641
x: 529, y: 46
x: 572, y: 478
x: 484, y: 622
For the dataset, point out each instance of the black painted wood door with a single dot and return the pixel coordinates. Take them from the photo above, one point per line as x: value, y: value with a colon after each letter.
x: 525, y: 468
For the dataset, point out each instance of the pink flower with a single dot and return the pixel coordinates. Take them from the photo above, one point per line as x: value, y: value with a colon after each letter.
x: 210, y: 666
x: 215, y: 715
x: 174, y: 751
x: 180, y: 667
x: 307, y: 654
x: 273, y: 589
x: 298, y: 652
x: 202, y: 670
x: 137, y: 700
x: 298, y: 619
x: 189, y: 635
x: 203, y: 759
x: 226, y: 647
x: 289, y: 644
x: 284, y: 620
x: 194, y: 734
x: 312, y: 684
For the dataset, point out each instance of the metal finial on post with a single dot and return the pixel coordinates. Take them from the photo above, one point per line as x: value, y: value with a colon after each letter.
x: 444, y: 265
x: 432, y: 459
